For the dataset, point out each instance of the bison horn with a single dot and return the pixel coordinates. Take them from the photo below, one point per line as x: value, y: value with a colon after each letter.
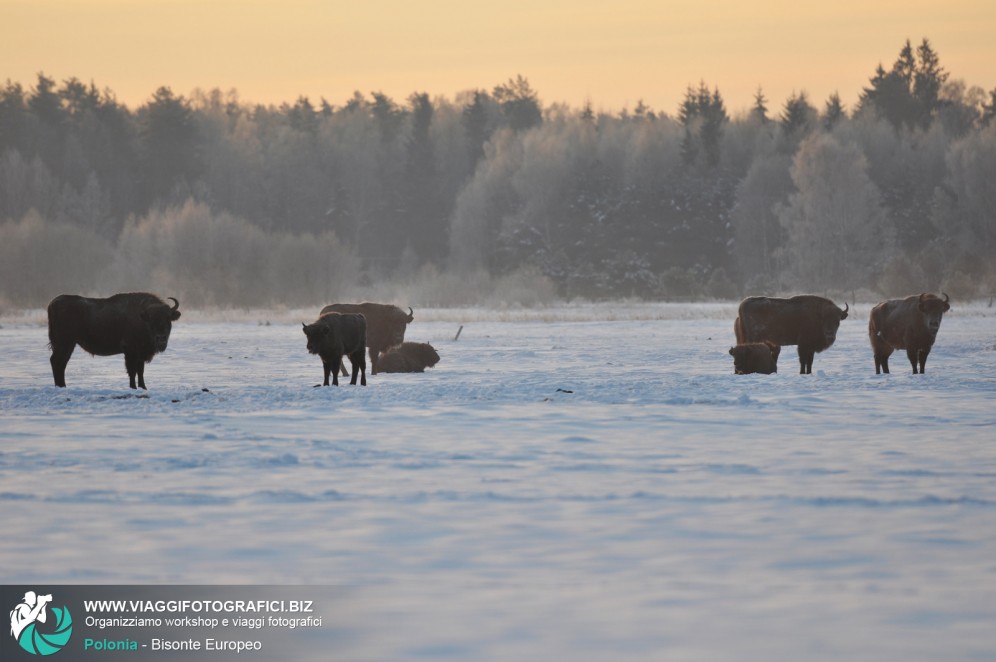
x: 176, y: 304
x: 411, y: 314
x: 946, y: 297
x: 846, y: 308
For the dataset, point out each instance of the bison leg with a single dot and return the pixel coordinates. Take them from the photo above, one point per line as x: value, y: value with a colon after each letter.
x: 141, y: 374
x: 60, y: 357
x: 334, y: 369
x: 132, y: 365
x: 326, y: 369
x: 806, y: 360
x: 882, y: 355
x: 359, y: 367
x: 923, y: 360
x: 374, y: 355
x: 882, y: 351
x: 912, y: 355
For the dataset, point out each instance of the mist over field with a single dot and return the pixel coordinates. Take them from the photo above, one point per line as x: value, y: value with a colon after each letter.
x: 494, y: 198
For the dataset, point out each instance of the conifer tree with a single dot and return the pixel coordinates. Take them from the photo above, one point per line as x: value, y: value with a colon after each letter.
x: 169, y: 143
x: 760, y: 110
x: 833, y: 112
x: 519, y: 103
x: 703, y: 115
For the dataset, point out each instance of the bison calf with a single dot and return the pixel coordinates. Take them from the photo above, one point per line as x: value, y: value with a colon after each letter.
x: 335, y: 335
x: 408, y: 357
x: 759, y: 357
x: 135, y: 324
x: 911, y: 324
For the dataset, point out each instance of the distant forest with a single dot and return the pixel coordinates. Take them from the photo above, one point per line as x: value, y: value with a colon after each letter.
x: 493, y: 197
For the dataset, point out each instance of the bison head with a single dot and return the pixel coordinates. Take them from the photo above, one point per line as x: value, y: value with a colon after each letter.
x: 396, y: 330
x: 832, y: 317
x: 424, y: 353
x: 317, y: 333
x: 159, y: 318
x: 933, y: 308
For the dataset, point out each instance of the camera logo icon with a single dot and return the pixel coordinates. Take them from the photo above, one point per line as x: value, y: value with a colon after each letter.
x: 34, y: 631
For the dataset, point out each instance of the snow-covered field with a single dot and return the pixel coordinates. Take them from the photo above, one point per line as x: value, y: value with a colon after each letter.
x: 575, y: 483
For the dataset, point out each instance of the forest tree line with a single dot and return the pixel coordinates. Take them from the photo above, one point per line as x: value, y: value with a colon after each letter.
x: 222, y: 202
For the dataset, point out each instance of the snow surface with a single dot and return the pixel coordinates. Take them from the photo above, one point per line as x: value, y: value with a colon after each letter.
x: 574, y: 483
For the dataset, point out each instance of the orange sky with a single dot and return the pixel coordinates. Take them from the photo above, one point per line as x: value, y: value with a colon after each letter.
x: 613, y: 52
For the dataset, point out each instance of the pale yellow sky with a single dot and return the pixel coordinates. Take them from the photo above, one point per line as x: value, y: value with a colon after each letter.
x: 613, y: 52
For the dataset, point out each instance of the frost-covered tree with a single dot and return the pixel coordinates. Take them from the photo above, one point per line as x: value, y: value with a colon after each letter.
x: 836, y: 229
x: 519, y: 103
x: 40, y: 259
x: 485, y: 201
x: 758, y: 234
x: 989, y: 109
x: 965, y: 213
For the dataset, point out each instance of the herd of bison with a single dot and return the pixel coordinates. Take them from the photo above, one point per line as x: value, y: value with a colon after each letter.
x: 138, y: 325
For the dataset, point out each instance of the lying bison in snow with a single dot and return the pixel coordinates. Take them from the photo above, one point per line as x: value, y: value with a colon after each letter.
x: 911, y: 324
x: 809, y: 321
x: 386, y: 326
x: 135, y: 324
x: 759, y: 357
x: 334, y: 336
x: 408, y: 357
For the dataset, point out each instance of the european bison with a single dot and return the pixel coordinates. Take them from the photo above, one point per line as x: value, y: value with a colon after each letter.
x: 809, y: 321
x: 408, y: 357
x: 760, y: 357
x: 335, y: 335
x: 386, y: 326
x: 135, y: 324
x: 911, y: 324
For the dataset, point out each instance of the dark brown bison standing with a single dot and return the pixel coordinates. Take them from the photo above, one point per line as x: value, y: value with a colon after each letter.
x: 334, y: 336
x: 408, y: 357
x: 386, y: 325
x: 759, y: 357
x: 809, y: 321
x: 135, y: 324
x: 911, y: 324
